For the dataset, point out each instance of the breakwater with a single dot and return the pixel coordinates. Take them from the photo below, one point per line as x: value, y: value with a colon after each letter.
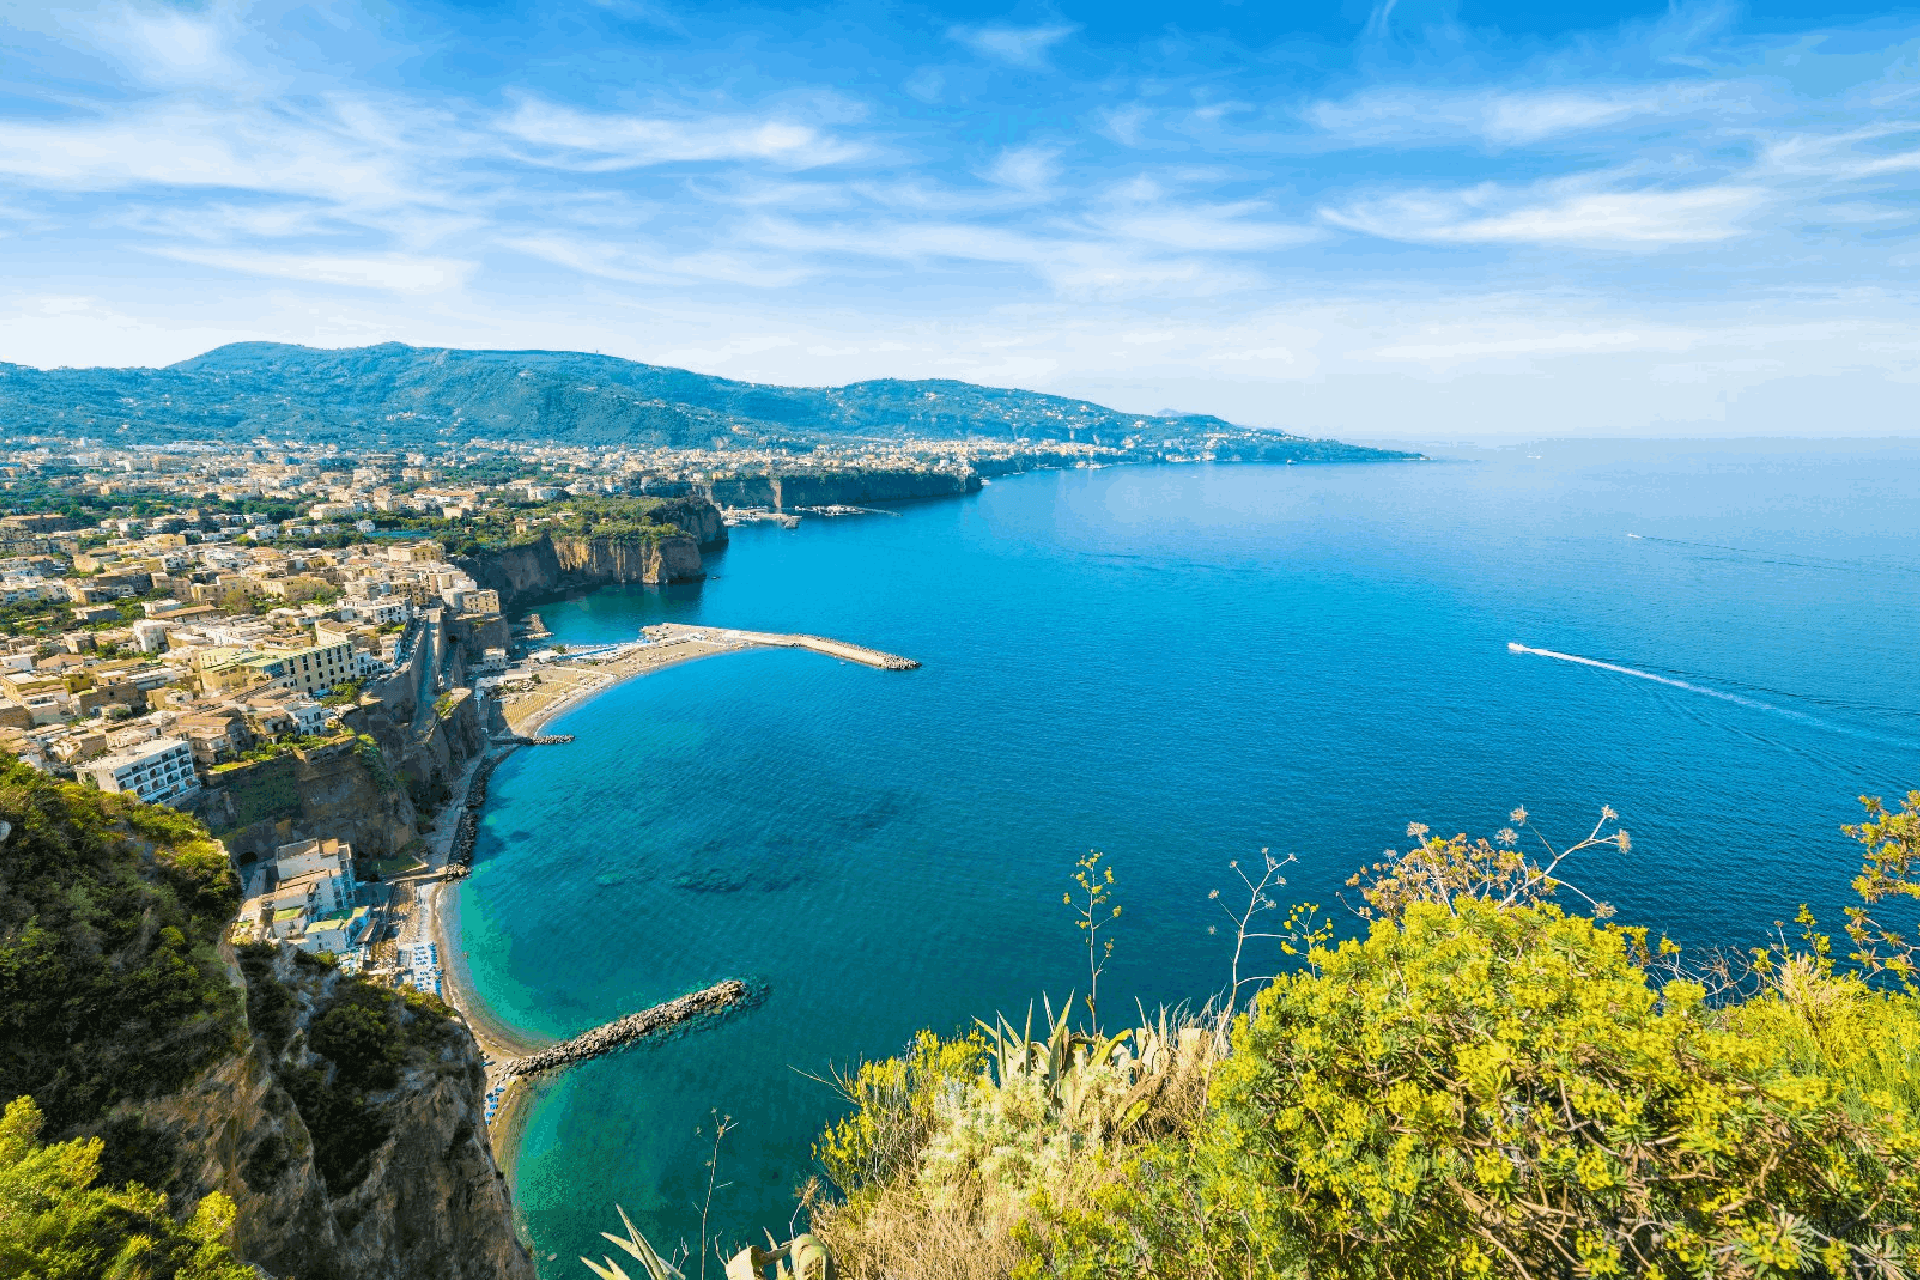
x: 821, y: 644
x: 604, y: 1039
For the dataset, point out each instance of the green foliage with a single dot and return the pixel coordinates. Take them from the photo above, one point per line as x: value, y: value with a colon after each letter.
x: 896, y: 1109
x: 363, y: 1039
x: 1502, y: 1091
x: 1093, y: 911
x: 111, y: 986
x: 55, y: 1224
x: 344, y: 694
x: 1482, y: 1086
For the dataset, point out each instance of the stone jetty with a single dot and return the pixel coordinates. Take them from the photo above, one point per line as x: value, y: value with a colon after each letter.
x: 718, y: 998
x: 821, y: 644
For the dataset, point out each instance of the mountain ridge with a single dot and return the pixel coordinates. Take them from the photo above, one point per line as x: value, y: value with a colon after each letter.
x: 410, y: 395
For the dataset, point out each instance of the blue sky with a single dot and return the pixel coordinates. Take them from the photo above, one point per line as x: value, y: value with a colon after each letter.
x: 1415, y: 220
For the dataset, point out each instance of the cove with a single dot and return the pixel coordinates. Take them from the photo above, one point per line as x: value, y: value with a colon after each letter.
x: 1179, y: 666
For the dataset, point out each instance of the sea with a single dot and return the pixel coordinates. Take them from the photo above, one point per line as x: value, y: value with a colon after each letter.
x: 1183, y: 667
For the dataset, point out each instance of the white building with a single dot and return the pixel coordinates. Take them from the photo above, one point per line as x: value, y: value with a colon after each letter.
x: 155, y: 772
x: 327, y: 865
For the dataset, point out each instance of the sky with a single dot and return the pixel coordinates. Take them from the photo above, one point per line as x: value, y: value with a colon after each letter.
x: 1415, y: 219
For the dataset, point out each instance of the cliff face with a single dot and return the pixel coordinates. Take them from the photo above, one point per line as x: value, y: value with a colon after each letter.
x: 675, y: 559
x: 340, y: 790
x: 564, y: 561
x: 844, y: 488
x: 516, y: 572
x: 426, y: 1201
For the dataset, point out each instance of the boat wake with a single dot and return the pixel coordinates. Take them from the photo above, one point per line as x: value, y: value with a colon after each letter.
x: 1513, y: 646
x: 1787, y: 560
x: 1516, y: 647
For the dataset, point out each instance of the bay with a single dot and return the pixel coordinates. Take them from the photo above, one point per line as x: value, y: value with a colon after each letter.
x: 1179, y: 666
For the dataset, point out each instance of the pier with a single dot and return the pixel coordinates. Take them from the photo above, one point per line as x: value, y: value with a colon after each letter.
x: 820, y: 644
x: 604, y: 1039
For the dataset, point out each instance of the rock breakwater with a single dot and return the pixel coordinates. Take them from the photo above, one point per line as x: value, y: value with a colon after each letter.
x: 719, y: 998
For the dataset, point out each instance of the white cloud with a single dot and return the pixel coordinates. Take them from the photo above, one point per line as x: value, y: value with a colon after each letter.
x: 600, y: 143
x: 635, y: 263
x: 1601, y: 219
x: 1532, y: 344
x: 1230, y: 228
x: 1015, y: 46
x: 1026, y: 169
x: 1406, y: 115
x: 394, y: 272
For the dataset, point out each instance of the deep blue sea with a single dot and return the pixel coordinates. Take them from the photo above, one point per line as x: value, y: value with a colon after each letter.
x: 1179, y: 666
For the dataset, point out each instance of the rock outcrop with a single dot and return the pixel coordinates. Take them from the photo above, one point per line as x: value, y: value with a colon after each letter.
x: 427, y: 1202
x: 345, y: 789
x: 562, y: 562
x: 839, y: 488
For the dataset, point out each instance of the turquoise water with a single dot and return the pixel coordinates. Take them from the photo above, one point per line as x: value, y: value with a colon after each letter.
x: 1178, y: 666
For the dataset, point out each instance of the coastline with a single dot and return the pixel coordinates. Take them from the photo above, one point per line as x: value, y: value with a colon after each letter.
x: 439, y: 899
x: 589, y: 679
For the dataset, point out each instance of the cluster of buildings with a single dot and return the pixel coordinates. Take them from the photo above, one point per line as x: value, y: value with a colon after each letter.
x: 306, y: 896
x: 335, y: 494
x: 215, y: 649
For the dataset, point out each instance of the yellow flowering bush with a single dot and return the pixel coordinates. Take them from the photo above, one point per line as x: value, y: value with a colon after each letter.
x: 1501, y: 1091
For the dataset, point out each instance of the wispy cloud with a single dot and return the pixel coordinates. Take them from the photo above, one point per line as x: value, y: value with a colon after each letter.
x: 1401, y: 116
x: 1642, y: 219
x: 1016, y: 46
x: 392, y: 272
x: 567, y: 138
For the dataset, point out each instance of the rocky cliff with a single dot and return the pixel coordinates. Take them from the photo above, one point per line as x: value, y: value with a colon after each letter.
x: 838, y: 488
x: 628, y: 558
x: 571, y: 559
x: 334, y: 1180
x: 347, y: 789
x: 343, y: 1119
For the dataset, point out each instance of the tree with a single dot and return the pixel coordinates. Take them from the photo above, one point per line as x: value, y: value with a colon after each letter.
x: 56, y: 1225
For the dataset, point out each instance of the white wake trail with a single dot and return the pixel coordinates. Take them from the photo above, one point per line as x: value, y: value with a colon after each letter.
x: 1516, y: 647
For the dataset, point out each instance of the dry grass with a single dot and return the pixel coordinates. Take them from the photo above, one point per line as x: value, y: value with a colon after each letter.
x: 968, y: 1159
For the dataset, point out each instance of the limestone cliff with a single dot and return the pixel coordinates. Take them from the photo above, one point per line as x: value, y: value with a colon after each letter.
x: 346, y: 789
x: 528, y: 572
x: 416, y: 1194
x: 838, y: 488
x: 629, y: 559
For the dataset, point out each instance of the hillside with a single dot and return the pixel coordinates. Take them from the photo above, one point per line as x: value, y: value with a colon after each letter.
x: 332, y: 1129
x: 409, y: 395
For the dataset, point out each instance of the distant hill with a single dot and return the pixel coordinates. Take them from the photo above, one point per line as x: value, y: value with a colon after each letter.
x: 415, y: 395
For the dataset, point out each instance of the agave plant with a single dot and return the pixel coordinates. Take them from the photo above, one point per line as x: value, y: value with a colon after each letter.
x: 1093, y: 1081
x: 801, y: 1258
x: 636, y: 1246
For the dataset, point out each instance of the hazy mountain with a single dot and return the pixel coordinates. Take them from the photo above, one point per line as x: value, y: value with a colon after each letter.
x: 412, y: 395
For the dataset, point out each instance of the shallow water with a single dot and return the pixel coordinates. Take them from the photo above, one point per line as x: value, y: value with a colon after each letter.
x: 1179, y: 666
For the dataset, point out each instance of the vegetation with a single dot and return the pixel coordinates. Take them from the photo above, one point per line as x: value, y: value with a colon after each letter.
x: 55, y: 1224
x: 361, y: 1040
x: 639, y: 520
x: 415, y: 394
x: 1483, y: 1085
x: 111, y: 986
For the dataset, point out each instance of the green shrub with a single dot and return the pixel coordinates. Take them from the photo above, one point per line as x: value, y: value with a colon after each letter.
x: 1499, y: 1091
x: 111, y: 984
x: 55, y: 1224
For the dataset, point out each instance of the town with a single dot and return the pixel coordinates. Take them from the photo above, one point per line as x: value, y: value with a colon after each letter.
x: 283, y: 641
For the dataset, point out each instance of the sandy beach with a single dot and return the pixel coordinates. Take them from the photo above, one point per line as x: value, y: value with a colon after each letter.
x: 436, y: 907
x: 565, y: 685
